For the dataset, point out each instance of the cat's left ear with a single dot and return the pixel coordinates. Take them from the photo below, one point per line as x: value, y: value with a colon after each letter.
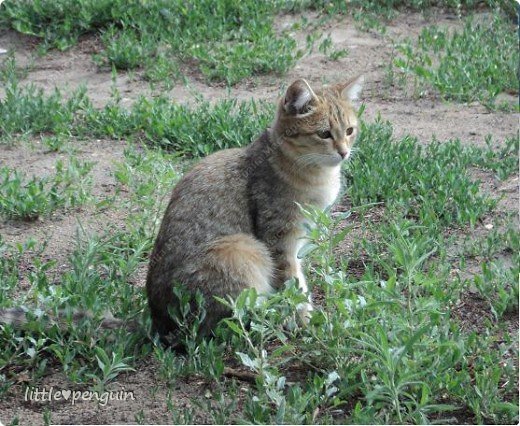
x: 298, y: 98
x: 351, y: 90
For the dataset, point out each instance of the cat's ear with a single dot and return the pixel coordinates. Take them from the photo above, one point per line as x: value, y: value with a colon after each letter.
x: 298, y: 98
x: 351, y: 90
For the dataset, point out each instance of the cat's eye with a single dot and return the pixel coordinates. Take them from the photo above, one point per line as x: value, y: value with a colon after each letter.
x: 350, y: 130
x: 324, y: 134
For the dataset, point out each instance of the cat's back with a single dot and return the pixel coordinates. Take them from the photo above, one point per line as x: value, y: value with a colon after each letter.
x: 210, y: 200
x: 214, y: 180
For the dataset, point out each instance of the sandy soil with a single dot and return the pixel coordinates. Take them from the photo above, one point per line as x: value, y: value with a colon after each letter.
x: 369, y: 53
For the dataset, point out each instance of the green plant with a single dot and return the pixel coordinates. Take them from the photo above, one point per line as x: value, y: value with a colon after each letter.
x: 430, y: 184
x: 54, y: 143
x: 499, y: 286
x: 25, y: 199
x: 326, y: 48
x: 477, y: 63
x: 503, y: 161
x: 135, y: 32
x: 126, y: 50
x: 110, y: 367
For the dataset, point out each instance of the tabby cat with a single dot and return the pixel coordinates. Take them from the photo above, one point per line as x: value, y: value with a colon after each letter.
x: 233, y: 221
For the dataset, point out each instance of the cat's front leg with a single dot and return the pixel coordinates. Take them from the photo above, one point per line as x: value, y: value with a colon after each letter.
x: 288, y: 267
x: 305, y: 308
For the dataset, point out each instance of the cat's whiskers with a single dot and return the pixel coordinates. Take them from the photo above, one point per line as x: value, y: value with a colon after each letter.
x: 353, y: 151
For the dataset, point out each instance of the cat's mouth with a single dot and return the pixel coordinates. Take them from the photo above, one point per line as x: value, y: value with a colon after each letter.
x: 336, y: 158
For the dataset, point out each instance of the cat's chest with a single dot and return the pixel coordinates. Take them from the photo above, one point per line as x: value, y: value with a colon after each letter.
x: 322, y: 194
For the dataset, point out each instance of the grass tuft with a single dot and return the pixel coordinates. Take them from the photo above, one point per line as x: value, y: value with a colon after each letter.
x: 29, y: 199
x: 475, y: 64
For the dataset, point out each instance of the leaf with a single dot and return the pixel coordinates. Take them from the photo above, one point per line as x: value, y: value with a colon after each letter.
x: 247, y: 361
x: 422, y: 72
x: 234, y: 327
x: 425, y: 394
x: 411, y: 341
x: 306, y: 249
x: 340, y: 236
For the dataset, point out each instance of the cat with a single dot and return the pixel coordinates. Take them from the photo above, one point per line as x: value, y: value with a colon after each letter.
x: 233, y: 222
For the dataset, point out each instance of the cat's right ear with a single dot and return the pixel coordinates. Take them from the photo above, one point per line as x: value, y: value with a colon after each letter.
x: 298, y: 98
x: 351, y: 90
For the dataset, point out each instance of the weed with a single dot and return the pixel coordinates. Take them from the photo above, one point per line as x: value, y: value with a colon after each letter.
x: 126, y: 50
x: 476, y: 64
x: 29, y: 199
x: 87, y: 286
x: 10, y: 259
x: 54, y: 143
x: 382, y: 345
x: 326, y: 48
x: 220, y: 404
x: 133, y: 33
x: 181, y: 416
x: 499, y: 286
x: 110, y: 367
x: 196, y: 131
x: 496, y: 242
x: 421, y: 182
x: 29, y: 110
x: 503, y: 161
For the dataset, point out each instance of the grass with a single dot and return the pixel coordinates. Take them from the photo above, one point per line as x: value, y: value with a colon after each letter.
x: 194, y: 131
x: 27, y: 199
x: 475, y: 64
x: 430, y: 184
x: 135, y: 34
x: 188, y: 130
x: 232, y: 41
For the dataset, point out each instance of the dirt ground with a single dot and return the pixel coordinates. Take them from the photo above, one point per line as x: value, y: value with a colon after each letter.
x: 368, y: 54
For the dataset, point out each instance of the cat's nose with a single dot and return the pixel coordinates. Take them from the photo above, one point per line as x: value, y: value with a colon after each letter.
x: 343, y: 153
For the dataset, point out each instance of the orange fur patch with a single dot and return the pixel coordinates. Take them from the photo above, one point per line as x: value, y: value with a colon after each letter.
x: 245, y: 258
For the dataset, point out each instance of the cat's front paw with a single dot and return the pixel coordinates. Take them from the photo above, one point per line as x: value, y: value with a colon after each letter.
x: 305, y: 312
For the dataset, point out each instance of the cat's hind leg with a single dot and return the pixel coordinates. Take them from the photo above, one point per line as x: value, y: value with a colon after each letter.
x: 231, y: 264
x: 241, y: 261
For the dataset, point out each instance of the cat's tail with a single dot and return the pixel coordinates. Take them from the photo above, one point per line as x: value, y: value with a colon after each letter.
x: 18, y: 317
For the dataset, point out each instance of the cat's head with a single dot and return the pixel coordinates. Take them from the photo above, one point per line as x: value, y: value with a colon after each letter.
x: 318, y: 128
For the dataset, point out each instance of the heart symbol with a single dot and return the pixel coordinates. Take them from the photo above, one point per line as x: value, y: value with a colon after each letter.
x: 65, y: 394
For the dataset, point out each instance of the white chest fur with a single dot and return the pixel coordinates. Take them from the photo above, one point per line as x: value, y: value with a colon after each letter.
x: 325, y: 190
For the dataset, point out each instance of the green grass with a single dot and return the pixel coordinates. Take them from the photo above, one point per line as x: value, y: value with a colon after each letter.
x: 201, y: 129
x: 190, y: 130
x: 476, y: 63
x: 226, y: 41
x: 197, y: 130
x: 375, y: 14
x: 27, y: 199
x: 10, y: 258
x: 136, y: 33
x: 430, y: 184
x: 502, y: 160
